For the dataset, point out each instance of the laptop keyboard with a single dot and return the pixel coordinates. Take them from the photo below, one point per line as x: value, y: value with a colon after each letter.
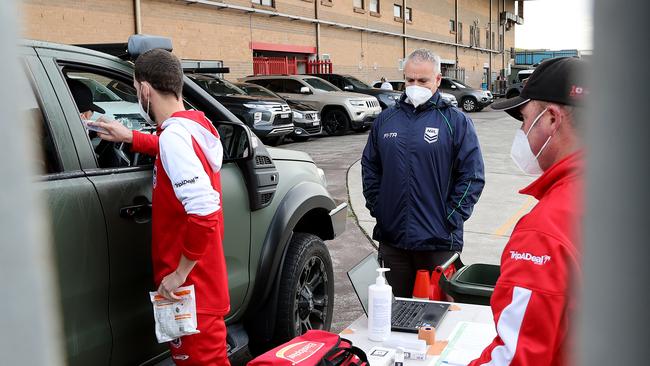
x: 407, y: 314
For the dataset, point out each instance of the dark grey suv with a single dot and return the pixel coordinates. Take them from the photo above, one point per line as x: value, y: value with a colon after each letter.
x: 470, y: 99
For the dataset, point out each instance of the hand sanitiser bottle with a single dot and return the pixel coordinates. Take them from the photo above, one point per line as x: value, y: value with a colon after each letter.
x: 380, y: 299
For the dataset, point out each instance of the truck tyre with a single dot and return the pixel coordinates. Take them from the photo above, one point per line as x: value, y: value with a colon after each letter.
x: 335, y: 122
x: 306, y: 297
x: 469, y: 104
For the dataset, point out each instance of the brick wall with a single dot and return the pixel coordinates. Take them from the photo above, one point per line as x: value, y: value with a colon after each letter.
x: 207, y: 33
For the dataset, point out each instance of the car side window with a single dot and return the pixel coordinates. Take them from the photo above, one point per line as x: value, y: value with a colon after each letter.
x: 46, y: 157
x: 292, y: 86
x: 445, y: 84
x: 117, y: 99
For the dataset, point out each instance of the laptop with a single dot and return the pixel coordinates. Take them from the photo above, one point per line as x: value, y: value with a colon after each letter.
x: 408, y: 315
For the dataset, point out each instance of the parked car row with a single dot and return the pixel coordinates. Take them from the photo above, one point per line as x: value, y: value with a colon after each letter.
x: 302, y: 106
x: 452, y: 90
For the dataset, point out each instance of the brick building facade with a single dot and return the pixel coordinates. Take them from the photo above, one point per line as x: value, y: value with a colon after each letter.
x: 365, y: 38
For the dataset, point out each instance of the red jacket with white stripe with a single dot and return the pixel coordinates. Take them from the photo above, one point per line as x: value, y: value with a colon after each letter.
x: 533, y: 301
x: 187, y: 216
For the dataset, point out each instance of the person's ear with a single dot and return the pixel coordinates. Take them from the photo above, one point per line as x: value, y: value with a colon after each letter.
x: 438, y: 80
x: 555, y: 117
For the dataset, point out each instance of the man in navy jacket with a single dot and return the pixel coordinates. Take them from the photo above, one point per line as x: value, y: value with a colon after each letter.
x: 422, y: 175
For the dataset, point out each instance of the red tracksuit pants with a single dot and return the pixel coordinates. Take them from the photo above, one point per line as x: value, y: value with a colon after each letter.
x: 207, y: 348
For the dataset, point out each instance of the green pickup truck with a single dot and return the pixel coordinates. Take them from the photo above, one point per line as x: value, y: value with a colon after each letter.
x: 277, y: 210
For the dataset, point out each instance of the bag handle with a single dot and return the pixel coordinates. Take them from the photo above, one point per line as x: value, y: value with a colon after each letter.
x: 345, y: 354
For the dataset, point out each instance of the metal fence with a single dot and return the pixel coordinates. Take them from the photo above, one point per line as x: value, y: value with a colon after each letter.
x: 290, y: 66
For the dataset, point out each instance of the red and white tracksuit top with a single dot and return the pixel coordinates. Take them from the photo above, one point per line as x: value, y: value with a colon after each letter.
x: 534, y: 303
x: 187, y: 215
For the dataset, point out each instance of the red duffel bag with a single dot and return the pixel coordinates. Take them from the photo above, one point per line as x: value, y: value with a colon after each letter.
x: 314, y: 348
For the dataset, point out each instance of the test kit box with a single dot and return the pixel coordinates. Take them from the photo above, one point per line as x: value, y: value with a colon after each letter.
x: 381, y: 356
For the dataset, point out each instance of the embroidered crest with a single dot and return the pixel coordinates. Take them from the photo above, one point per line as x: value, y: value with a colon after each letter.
x: 431, y: 135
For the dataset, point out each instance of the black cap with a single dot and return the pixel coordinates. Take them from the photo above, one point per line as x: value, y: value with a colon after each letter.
x: 558, y: 80
x: 83, y: 97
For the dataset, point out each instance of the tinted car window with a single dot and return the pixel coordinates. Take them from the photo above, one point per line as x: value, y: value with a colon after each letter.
x: 445, y: 84
x: 321, y: 84
x: 356, y: 82
x: 292, y: 86
x: 275, y: 85
x: 123, y: 107
x: 217, y: 87
x: 258, y: 91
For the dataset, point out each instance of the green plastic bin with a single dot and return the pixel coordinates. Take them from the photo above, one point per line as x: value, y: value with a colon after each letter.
x: 472, y: 284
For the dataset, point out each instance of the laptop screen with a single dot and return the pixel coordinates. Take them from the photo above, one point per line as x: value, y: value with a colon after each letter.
x: 363, y: 275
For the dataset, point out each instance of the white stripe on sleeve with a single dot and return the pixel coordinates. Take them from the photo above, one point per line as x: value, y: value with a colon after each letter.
x: 191, y: 183
x: 509, y: 326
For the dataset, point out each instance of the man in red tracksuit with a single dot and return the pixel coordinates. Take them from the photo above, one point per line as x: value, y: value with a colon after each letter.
x: 187, y: 218
x: 534, y: 302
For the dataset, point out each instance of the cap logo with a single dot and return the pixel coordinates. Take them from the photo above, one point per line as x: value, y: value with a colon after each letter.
x: 577, y: 91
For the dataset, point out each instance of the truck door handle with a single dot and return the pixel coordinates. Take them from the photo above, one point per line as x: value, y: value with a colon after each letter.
x: 140, y: 213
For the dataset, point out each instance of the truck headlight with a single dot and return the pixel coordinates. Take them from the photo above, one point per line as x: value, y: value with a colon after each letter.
x: 298, y: 115
x: 257, y: 117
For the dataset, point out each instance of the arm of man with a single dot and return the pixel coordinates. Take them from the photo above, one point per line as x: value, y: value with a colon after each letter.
x: 371, y: 169
x: 116, y: 132
x: 193, y: 188
x: 530, y: 302
x: 468, y: 176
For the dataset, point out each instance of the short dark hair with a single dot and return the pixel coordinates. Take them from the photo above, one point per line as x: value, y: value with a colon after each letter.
x: 162, y: 70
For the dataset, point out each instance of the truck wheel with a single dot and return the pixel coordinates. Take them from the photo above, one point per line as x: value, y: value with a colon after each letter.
x: 306, y: 298
x: 335, y: 122
x: 469, y: 104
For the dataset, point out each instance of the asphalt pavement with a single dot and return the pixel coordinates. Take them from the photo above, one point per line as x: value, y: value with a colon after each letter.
x: 486, y: 232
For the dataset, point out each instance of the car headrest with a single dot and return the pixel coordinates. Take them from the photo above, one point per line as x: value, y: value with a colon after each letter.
x: 141, y: 43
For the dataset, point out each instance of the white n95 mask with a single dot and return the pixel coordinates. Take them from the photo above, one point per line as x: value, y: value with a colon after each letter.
x: 521, y: 152
x: 418, y: 95
x: 145, y: 114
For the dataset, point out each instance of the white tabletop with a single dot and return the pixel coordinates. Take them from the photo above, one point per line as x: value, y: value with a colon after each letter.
x: 357, y: 332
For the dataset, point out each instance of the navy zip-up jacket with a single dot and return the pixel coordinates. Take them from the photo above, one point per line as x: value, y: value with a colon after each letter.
x: 422, y: 174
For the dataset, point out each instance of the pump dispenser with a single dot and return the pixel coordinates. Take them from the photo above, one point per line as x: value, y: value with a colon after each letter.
x: 380, y: 299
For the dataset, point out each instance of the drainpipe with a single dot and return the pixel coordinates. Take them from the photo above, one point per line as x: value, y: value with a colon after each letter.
x: 503, y: 31
x: 138, y: 17
x: 489, y: 79
x: 404, y: 29
x: 317, y: 30
x: 456, y: 39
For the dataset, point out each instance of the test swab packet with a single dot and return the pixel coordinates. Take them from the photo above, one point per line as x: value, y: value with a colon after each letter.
x: 177, y: 318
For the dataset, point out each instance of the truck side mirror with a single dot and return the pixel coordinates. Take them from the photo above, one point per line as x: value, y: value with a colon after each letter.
x: 237, y: 140
x: 305, y: 90
x: 348, y: 87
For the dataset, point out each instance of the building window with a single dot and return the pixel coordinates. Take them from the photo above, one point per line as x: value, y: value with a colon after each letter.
x: 374, y: 6
x: 492, y: 44
x: 263, y: 2
x: 408, y: 13
x: 397, y: 11
x: 460, y: 32
x: 358, y: 4
x: 452, y: 25
x: 487, y: 39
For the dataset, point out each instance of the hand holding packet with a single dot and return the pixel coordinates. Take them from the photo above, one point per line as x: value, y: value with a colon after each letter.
x: 89, y: 125
x: 175, y: 319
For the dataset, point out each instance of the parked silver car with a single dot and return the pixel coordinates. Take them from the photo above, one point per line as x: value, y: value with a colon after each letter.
x: 339, y: 110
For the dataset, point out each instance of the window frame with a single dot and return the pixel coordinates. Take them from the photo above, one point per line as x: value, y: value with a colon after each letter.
x: 357, y: 8
x: 375, y: 12
x: 399, y: 18
x: 452, y: 26
x: 261, y: 3
x: 459, y: 30
x: 109, y: 73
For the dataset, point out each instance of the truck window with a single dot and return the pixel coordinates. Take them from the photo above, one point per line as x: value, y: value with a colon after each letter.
x: 118, y: 98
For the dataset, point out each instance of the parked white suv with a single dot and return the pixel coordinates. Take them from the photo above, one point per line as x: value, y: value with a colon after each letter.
x: 339, y: 110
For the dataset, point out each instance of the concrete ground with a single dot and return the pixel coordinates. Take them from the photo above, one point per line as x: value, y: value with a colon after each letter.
x: 486, y: 232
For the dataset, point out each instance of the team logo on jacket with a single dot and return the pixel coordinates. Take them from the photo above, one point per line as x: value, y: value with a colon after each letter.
x: 431, y: 135
x: 536, y: 259
x: 155, y: 176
